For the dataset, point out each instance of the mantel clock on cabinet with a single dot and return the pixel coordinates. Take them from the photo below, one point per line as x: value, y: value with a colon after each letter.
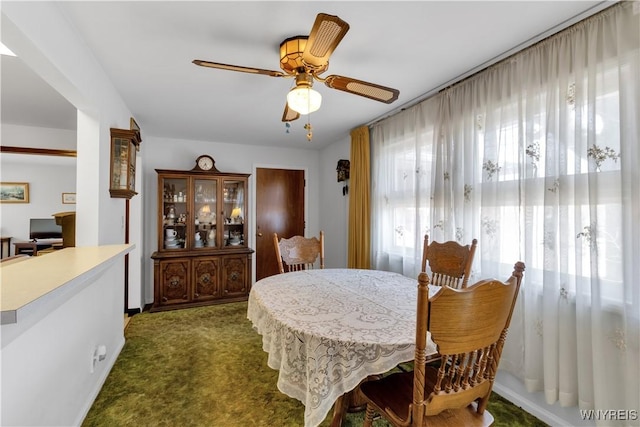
x: 124, y: 144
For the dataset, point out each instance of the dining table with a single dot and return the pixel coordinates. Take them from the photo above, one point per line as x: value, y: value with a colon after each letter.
x: 327, y: 330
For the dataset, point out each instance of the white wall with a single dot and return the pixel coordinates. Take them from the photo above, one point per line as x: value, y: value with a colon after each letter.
x: 136, y: 297
x: 177, y: 154
x: 37, y: 137
x: 334, y: 207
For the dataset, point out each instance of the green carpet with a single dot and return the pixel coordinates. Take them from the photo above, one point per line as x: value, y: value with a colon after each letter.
x: 206, y: 367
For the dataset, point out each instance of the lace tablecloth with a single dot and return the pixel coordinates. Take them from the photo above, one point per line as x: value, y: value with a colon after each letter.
x: 327, y: 330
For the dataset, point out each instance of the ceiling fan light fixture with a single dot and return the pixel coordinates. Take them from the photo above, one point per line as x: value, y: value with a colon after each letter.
x: 306, y: 58
x: 304, y: 99
x: 291, y: 54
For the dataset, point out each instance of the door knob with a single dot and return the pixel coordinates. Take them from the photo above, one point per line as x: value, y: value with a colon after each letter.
x: 259, y: 234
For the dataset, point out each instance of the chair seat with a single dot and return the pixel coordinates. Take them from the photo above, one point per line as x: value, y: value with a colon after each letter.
x: 397, y: 402
x: 467, y: 416
x: 378, y: 391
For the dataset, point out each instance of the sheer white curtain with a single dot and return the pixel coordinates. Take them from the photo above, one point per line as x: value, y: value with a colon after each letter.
x: 538, y: 158
x: 401, y: 188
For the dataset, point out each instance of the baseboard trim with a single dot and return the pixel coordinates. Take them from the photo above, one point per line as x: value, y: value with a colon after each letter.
x: 512, y: 389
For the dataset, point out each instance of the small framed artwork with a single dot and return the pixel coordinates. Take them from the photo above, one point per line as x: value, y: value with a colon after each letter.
x: 68, y: 198
x: 14, y: 192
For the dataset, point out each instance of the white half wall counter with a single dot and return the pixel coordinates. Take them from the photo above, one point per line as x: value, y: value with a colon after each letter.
x: 62, y: 330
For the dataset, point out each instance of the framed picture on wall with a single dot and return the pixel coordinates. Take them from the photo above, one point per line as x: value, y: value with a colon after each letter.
x: 68, y: 198
x: 14, y: 192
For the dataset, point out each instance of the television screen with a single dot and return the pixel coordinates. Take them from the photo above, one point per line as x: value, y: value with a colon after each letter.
x: 44, y: 228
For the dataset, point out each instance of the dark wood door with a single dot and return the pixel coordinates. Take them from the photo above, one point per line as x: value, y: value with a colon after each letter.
x: 279, y: 209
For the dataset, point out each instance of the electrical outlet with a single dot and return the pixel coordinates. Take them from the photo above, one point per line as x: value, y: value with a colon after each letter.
x: 93, y: 361
x: 99, y: 354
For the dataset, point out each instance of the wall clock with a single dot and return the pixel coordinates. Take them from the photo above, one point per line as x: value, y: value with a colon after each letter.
x: 124, y: 145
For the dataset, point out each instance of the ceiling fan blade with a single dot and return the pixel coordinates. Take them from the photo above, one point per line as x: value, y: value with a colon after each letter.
x: 237, y: 68
x: 366, y: 89
x: 289, y: 114
x: 326, y: 33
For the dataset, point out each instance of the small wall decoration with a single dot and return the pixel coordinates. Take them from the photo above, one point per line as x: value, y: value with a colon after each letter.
x: 14, y: 192
x: 343, y: 170
x: 122, y: 178
x: 69, y: 198
x: 343, y: 174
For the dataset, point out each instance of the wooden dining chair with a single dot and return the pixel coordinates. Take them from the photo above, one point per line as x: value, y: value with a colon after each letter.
x: 298, y: 252
x: 450, y: 265
x: 449, y: 262
x: 469, y: 327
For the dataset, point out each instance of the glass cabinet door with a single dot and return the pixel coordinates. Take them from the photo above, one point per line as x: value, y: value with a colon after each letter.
x: 205, y: 199
x: 121, y: 153
x: 174, y: 217
x: 132, y: 166
x: 234, y: 207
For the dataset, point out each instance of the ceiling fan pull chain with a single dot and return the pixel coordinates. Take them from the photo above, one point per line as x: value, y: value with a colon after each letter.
x: 308, y: 125
x: 308, y: 128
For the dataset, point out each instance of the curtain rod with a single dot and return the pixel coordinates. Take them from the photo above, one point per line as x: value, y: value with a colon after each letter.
x: 526, y: 44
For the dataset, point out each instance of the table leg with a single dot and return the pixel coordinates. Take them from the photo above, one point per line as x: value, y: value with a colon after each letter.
x: 352, y: 401
x: 340, y: 410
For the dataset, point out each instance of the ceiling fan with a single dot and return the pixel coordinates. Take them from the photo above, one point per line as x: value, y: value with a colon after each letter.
x: 305, y: 58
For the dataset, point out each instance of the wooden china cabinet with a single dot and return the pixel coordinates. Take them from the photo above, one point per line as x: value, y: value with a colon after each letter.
x: 202, y: 255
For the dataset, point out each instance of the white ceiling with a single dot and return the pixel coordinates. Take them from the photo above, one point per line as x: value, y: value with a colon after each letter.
x: 146, y: 49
